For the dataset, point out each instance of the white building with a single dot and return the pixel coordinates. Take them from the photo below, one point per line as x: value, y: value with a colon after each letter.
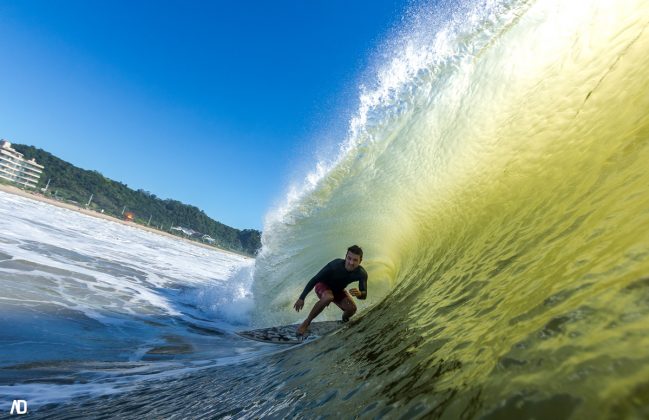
x: 208, y: 239
x: 186, y: 231
x: 14, y: 167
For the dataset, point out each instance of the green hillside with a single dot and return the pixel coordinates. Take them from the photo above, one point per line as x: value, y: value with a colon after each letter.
x: 73, y: 184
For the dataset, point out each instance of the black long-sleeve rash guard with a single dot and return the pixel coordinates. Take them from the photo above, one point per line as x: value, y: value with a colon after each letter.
x: 336, y: 276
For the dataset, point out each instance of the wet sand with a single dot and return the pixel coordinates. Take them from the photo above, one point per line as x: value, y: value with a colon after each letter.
x: 40, y: 197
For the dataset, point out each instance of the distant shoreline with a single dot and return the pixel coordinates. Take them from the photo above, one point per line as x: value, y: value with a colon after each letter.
x: 39, y: 197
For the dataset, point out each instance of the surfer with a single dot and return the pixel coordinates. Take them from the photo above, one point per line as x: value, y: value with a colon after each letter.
x: 330, y: 283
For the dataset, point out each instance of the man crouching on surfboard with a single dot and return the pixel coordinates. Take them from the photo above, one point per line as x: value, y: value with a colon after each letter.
x: 330, y: 285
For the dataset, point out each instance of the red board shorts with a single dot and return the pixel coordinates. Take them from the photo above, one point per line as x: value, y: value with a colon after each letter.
x: 320, y: 288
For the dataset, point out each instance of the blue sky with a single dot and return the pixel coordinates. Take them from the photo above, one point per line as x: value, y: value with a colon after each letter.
x: 216, y: 104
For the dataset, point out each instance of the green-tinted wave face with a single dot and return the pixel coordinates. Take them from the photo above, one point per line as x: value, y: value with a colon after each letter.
x: 497, y: 178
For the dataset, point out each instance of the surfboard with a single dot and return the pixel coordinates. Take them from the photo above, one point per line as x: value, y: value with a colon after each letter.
x: 285, y: 334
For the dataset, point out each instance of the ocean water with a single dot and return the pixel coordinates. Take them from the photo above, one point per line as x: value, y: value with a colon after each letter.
x: 92, y: 307
x: 495, y: 174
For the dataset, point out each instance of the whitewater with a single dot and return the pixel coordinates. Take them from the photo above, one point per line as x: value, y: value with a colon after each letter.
x: 90, y: 306
x: 494, y: 174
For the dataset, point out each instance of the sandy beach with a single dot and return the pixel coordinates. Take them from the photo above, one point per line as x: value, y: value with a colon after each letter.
x: 39, y: 197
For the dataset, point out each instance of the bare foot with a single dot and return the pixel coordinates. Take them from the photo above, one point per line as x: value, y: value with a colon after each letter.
x: 301, y: 330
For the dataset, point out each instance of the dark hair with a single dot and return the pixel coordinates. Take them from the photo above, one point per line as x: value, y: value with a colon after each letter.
x: 355, y: 249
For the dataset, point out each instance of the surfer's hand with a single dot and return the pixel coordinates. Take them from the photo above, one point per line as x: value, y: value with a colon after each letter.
x: 355, y: 292
x: 299, y: 304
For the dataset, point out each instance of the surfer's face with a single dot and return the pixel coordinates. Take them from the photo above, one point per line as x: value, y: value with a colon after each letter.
x: 352, y: 261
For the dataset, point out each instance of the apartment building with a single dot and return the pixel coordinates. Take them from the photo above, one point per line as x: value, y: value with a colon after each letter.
x: 14, y: 167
